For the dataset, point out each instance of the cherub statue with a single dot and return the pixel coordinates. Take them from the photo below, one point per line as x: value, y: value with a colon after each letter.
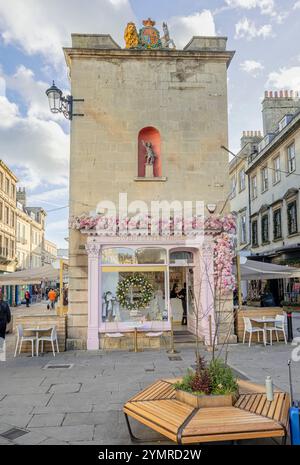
x: 150, y: 155
x: 166, y: 40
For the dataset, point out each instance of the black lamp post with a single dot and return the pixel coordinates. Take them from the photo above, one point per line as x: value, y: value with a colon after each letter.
x: 60, y: 104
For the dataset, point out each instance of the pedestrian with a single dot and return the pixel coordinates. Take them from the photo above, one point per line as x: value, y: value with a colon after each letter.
x: 182, y: 296
x: 27, y: 298
x: 5, y: 317
x: 52, y: 297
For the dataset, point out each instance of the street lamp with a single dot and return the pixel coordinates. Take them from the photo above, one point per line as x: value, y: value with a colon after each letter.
x: 60, y: 104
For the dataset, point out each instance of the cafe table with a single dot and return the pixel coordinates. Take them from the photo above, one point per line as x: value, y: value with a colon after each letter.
x: 265, y: 320
x: 38, y: 330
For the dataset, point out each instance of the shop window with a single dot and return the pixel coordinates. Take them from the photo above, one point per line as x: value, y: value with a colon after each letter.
x: 181, y: 256
x: 142, y: 300
x: 128, y: 256
x: 150, y: 135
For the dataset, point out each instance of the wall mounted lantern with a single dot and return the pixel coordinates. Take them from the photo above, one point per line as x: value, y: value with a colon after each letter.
x: 60, y: 104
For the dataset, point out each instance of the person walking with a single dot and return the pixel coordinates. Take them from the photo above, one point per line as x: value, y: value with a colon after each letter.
x: 27, y: 298
x: 5, y: 317
x: 183, y: 297
x: 52, y: 297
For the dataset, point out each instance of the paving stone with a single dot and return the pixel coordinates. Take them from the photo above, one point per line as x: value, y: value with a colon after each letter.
x: 69, y: 433
x: 18, y: 420
x: 94, y: 418
x: 29, y: 399
x: 31, y: 438
x: 64, y: 388
x: 50, y: 419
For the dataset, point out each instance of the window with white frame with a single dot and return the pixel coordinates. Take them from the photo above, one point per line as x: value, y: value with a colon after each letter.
x: 292, y: 217
x: 265, y: 228
x: 264, y: 179
x: 233, y: 187
x: 243, y: 233
x: 276, y: 169
x: 254, y: 233
x: 291, y: 158
x: 242, y: 179
x: 277, y: 231
x: 254, y: 187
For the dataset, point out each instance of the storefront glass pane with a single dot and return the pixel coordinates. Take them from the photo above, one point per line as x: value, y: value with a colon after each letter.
x: 181, y: 255
x: 127, y: 256
x: 118, y: 256
x: 151, y: 256
x: 125, y: 303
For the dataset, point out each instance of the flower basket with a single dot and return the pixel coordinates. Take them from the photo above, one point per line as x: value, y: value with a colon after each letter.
x: 202, y: 400
x: 291, y: 307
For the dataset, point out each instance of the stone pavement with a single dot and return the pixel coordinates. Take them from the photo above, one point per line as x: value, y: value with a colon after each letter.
x: 83, y: 404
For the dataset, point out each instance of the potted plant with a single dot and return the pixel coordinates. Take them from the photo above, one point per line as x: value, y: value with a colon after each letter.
x: 212, y: 385
x: 290, y: 307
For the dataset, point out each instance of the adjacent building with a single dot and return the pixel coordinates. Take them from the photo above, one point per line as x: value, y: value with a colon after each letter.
x: 267, y: 203
x: 50, y: 252
x: 7, y: 223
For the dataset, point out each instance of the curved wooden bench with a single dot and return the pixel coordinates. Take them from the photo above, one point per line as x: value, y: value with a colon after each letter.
x: 251, y: 417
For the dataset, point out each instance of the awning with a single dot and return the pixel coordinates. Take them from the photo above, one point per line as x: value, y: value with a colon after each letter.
x: 253, y: 269
x: 31, y: 276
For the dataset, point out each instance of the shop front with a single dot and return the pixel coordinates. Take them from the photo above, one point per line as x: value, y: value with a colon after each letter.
x: 133, y: 280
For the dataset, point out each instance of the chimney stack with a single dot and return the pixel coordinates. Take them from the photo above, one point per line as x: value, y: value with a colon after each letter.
x: 250, y: 141
x: 276, y: 105
x: 21, y: 196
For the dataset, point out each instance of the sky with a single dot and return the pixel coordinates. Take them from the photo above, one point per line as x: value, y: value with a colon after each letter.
x: 35, y: 143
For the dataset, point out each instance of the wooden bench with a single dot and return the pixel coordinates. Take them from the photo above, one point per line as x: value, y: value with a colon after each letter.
x: 251, y: 417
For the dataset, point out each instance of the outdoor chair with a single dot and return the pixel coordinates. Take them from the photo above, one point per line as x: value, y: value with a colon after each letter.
x: 21, y: 338
x: 154, y: 334
x: 279, y: 326
x: 52, y: 339
x: 248, y: 328
x: 113, y: 336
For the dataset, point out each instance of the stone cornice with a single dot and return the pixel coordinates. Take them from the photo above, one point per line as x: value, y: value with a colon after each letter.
x: 125, y: 54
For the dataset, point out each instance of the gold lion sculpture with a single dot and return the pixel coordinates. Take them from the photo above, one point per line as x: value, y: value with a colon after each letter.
x: 131, y: 36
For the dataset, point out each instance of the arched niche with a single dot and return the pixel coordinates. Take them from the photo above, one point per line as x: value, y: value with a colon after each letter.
x: 149, y: 134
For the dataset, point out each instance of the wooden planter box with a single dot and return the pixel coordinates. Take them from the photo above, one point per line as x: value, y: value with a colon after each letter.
x: 200, y: 401
x: 291, y: 309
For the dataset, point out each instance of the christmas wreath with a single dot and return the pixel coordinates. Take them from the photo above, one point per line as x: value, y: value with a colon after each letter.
x: 124, y: 290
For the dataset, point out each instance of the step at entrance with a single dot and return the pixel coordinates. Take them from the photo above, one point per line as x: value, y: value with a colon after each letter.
x: 184, y: 337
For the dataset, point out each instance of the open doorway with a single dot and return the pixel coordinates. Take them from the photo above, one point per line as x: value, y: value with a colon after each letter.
x: 181, y: 296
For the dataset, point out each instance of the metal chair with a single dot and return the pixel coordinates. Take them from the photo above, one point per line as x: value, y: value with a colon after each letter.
x: 248, y: 328
x: 52, y: 338
x: 279, y: 326
x: 21, y: 338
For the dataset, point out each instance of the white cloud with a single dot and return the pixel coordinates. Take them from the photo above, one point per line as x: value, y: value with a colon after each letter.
x: 44, y: 27
x: 252, y: 67
x: 39, y: 148
x: 50, y: 198
x: 32, y: 93
x: 285, y: 78
x: 296, y: 6
x: 247, y: 29
x: 267, y: 7
x: 183, y: 28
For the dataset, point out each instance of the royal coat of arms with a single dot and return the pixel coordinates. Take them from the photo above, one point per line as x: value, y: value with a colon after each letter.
x: 149, y: 36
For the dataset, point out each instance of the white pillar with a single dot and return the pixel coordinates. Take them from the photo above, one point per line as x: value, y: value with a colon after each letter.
x: 94, y: 289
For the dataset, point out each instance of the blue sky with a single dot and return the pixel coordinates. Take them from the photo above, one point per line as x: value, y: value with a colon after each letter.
x: 264, y: 33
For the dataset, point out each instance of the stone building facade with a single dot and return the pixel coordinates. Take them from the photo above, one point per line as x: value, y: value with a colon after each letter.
x: 271, y: 195
x: 8, y: 183
x: 177, y: 99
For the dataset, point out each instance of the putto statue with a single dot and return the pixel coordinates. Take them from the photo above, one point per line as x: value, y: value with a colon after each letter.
x: 131, y: 36
x: 150, y: 155
x: 166, y: 40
